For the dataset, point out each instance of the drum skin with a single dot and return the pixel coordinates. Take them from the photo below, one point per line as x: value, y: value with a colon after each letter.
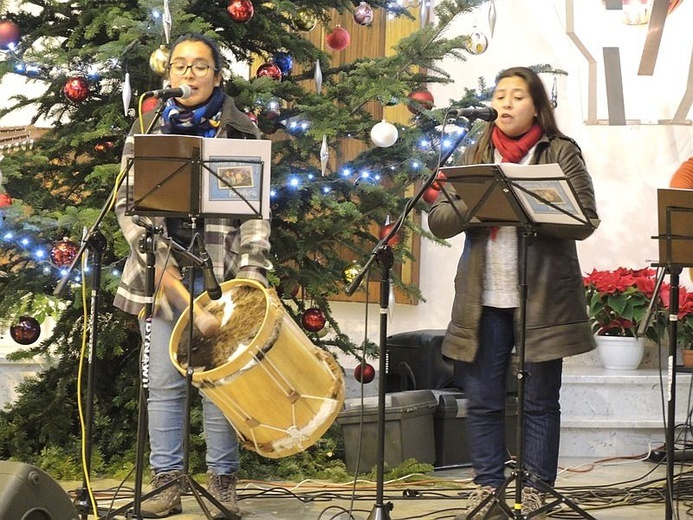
x: 277, y: 389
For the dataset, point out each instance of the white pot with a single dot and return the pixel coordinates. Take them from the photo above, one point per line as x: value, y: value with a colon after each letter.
x: 619, y: 353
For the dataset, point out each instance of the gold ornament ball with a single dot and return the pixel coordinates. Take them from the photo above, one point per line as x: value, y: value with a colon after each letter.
x: 304, y: 20
x: 158, y: 61
x: 351, y: 272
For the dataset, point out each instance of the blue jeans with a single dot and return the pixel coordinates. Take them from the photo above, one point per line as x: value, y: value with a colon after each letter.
x: 483, y: 382
x: 166, y: 411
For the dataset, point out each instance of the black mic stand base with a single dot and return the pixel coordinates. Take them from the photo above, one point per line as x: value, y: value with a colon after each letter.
x: 380, y: 512
x: 498, y: 499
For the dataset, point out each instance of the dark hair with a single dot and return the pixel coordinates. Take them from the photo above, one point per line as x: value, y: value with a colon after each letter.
x: 545, y: 116
x: 197, y: 37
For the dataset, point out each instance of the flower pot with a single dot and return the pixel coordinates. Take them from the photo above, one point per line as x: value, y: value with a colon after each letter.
x: 687, y: 357
x: 620, y: 353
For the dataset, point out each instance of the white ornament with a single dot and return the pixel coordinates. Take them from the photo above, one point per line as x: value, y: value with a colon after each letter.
x: 167, y: 22
x: 424, y: 11
x: 478, y: 43
x: 127, y: 93
x: 384, y: 134
x: 324, y: 155
x: 492, y: 16
x: 318, y: 77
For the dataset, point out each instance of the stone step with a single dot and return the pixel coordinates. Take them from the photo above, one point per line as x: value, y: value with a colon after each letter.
x: 608, y: 413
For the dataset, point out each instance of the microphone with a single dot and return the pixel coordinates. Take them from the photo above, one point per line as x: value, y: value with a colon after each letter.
x: 211, y: 284
x: 146, y: 223
x: 183, y: 92
x: 485, y: 113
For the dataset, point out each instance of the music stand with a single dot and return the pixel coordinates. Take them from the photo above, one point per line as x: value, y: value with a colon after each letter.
x: 183, y: 175
x: 529, y: 197
x: 674, y: 208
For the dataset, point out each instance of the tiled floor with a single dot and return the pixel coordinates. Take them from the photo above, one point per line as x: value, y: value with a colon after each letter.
x: 620, y: 489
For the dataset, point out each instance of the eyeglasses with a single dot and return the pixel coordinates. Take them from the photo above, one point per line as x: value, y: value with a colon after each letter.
x: 199, y: 69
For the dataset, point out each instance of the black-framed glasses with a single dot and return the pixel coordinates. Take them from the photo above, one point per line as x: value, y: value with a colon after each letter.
x: 199, y: 69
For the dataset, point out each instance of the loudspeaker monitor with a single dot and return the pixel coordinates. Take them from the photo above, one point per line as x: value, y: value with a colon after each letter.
x: 29, y: 493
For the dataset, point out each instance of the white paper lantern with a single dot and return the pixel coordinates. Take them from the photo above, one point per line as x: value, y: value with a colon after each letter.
x: 384, y: 134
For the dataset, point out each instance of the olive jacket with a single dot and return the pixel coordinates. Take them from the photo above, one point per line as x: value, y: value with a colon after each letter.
x: 556, y: 319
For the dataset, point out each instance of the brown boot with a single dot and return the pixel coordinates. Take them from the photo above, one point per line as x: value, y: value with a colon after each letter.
x: 490, y: 511
x: 166, y: 502
x: 223, y: 488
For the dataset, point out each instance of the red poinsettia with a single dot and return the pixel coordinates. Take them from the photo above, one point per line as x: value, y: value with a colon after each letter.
x: 617, y: 301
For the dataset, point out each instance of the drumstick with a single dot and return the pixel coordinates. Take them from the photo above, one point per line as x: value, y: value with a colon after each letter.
x: 179, y: 296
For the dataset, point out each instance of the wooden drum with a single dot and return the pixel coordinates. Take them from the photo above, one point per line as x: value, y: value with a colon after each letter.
x: 278, y: 390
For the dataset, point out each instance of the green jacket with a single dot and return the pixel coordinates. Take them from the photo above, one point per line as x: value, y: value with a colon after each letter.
x: 556, y: 319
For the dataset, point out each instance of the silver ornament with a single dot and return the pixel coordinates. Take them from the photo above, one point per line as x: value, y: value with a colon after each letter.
x: 324, y: 155
x: 127, y: 94
x: 318, y: 77
x: 492, y: 16
x: 167, y: 22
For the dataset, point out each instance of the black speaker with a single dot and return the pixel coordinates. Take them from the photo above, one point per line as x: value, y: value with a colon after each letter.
x: 29, y: 493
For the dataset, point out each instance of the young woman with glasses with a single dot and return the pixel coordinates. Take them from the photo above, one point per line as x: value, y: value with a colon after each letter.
x: 238, y: 249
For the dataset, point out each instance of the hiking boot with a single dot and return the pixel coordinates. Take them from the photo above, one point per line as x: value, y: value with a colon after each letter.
x: 533, y: 500
x: 490, y: 511
x: 166, y: 502
x: 223, y: 488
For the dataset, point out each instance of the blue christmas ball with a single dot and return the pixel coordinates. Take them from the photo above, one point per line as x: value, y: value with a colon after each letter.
x: 284, y: 61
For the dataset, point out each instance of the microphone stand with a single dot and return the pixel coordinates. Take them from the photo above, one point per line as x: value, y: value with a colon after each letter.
x: 382, y: 253
x: 96, y: 242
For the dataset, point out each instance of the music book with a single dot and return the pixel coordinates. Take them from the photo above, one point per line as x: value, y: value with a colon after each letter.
x: 181, y: 175
x: 495, y: 192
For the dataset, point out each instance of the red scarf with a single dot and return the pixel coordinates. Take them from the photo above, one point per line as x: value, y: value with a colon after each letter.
x: 513, y: 150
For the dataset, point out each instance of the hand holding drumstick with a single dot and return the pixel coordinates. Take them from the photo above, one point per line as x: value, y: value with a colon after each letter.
x: 179, y: 297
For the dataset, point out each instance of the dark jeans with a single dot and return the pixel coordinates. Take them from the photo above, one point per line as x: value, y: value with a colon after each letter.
x: 483, y: 382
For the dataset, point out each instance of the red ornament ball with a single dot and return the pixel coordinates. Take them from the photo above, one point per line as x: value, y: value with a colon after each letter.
x: 271, y: 70
x: 5, y: 200
x: 104, y: 146
x: 76, y: 89
x: 287, y: 289
x: 252, y: 116
x: 363, y: 14
x: 441, y: 179
x: 64, y: 252
x: 424, y: 98
x: 313, y: 319
x: 430, y: 195
x: 149, y: 104
x: 338, y: 38
x: 394, y: 239
x: 240, y: 11
x: 9, y: 33
x: 26, y: 331
x: 364, y: 373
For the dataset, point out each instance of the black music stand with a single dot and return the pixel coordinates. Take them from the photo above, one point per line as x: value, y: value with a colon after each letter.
x: 183, y: 175
x: 168, y: 180
x: 528, y: 197
x: 674, y: 208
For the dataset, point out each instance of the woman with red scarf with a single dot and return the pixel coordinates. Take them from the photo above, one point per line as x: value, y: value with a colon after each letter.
x: 484, y: 320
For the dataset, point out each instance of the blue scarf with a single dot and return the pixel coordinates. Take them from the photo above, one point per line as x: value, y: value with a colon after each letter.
x: 202, y: 121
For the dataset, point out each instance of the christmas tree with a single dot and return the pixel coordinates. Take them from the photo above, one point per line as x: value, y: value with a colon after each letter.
x: 340, y: 169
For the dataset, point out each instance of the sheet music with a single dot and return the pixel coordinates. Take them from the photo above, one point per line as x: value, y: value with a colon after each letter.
x: 544, y: 192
